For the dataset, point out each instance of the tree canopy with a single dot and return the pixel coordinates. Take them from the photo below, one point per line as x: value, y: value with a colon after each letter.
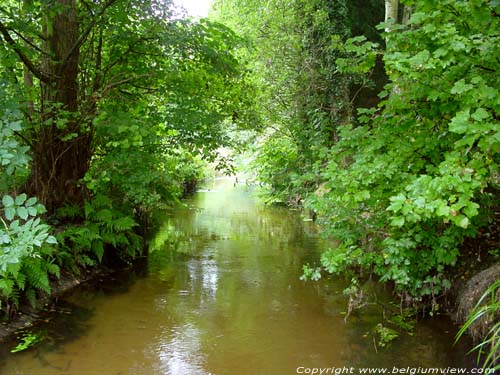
x: 108, y: 109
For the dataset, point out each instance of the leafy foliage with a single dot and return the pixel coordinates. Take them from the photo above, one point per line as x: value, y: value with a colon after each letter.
x: 400, y: 184
x: 26, y: 259
x: 302, y: 96
x: 105, y: 226
x: 411, y: 180
x: 109, y: 111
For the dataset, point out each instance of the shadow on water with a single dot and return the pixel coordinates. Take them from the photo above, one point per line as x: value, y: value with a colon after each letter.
x: 220, y: 294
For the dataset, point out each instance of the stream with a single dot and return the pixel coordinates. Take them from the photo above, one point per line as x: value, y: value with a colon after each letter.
x: 220, y: 294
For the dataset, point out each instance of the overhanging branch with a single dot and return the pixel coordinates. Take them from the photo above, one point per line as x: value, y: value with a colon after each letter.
x: 27, y: 62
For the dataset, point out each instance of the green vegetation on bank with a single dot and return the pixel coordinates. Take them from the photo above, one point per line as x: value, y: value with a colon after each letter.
x: 388, y: 134
x: 381, y: 118
x: 400, y: 183
x: 109, y: 110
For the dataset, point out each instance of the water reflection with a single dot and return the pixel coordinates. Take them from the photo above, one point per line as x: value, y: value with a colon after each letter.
x: 180, y: 352
x: 220, y: 294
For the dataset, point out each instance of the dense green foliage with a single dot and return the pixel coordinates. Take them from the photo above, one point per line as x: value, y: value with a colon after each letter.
x: 26, y: 257
x: 110, y: 109
x: 410, y: 180
x: 389, y: 135
x: 400, y: 184
x: 303, y: 97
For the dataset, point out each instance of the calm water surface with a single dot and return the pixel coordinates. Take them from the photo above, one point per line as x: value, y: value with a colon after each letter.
x: 220, y: 294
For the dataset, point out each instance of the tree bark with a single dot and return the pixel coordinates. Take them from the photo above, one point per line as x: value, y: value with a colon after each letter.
x: 62, y: 147
x: 391, y: 12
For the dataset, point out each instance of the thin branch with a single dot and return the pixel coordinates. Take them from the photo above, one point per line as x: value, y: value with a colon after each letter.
x: 27, y: 41
x: 86, y: 33
x: 29, y: 64
x: 147, y: 90
x: 91, y: 12
x: 123, y: 81
x: 486, y: 68
x: 26, y: 140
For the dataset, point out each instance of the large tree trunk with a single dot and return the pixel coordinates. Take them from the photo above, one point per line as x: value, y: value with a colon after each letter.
x: 62, y: 149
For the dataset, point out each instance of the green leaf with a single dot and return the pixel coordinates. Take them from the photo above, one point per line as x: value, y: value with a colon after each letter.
x: 16, y: 126
x: 32, y: 211
x: 20, y: 199
x: 398, y: 221
x: 30, y: 202
x: 460, y: 123
x: 51, y: 240
x: 22, y: 212
x: 480, y: 114
x: 460, y: 87
x: 443, y: 209
x: 462, y: 221
x: 10, y: 213
x: 7, y: 201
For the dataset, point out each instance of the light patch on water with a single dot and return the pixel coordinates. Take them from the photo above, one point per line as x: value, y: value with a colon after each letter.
x: 180, y: 354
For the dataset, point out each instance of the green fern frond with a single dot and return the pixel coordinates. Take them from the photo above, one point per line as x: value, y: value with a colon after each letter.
x: 20, y: 281
x: 86, y: 261
x: 122, y: 224
x: 136, y: 243
x: 90, y: 233
x: 6, y: 287
x: 98, y: 249
x: 104, y: 216
x: 69, y: 212
x: 36, y: 273
x: 53, y: 269
x: 13, y: 269
x: 31, y: 296
x: 95, y: 205
x: 115, y: 239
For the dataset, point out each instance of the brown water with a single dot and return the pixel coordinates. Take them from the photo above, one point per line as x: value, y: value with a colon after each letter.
x: 220, y: 294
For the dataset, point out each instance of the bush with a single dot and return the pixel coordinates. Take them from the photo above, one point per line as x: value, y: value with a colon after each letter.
x: 410, y: 180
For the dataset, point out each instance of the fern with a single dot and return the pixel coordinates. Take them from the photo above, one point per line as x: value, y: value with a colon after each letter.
x: 98, y: 249
x: 6, y: 287
x: 31, y: 296
x: 104, y: 215
x: 105, y: 225
x: 122, y: 224
x: 36, y: 273
x: 20, y: 280
x: 69, y: 212
x: 53, y: 269
x: 86, y: 261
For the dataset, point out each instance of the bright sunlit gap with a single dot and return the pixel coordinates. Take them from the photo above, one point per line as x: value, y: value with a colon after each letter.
x: 195, y: 8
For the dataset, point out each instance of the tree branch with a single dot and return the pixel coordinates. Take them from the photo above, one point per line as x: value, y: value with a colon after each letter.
x: 86, y: 33
x: 27, y: 62
x: 123, y: 81
x: 28, y: 42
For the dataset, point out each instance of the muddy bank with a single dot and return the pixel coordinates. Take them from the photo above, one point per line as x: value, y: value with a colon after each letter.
x: 27, y: 315
x: 468, y: 295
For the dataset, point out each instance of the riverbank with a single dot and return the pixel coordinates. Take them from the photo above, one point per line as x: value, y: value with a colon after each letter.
x: 27, y: 315
x: 221, y: 294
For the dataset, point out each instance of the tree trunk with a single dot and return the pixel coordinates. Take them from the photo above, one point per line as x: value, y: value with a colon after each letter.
x: 62, y: 147
x: 391, y: 12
